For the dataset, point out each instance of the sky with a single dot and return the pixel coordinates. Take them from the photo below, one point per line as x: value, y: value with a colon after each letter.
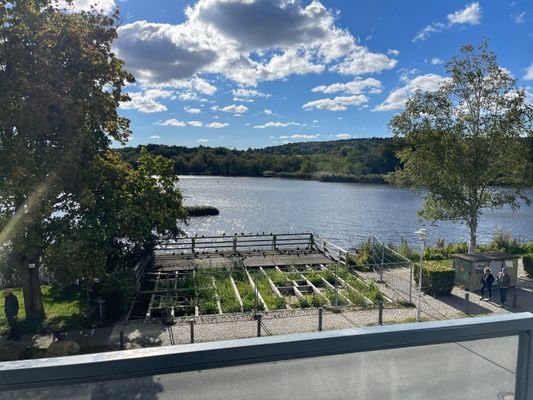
x: 257, y: 73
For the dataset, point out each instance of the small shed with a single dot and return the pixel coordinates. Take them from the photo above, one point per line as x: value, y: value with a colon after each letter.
x: 470, y: 267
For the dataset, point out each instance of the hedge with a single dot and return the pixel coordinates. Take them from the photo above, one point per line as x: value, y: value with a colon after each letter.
x: 528, y: 264
x: 436, y: 278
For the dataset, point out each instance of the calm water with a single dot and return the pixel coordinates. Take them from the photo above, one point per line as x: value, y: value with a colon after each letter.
x: 346, y: 213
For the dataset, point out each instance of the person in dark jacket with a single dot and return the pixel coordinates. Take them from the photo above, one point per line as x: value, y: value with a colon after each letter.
x: 504, y: 281
x: 11, y: 308
x: 486, y: 283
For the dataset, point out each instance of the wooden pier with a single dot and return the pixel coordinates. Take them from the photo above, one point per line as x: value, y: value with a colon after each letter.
x: 259, y: 250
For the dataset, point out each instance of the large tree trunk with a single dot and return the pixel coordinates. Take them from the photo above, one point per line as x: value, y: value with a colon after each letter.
x: 31, y: 288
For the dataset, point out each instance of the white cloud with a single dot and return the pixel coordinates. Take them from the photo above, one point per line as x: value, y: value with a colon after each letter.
x: 343, y: 136
x: 155, y: 137
x: 470, y: 15
x: 234, y: 109
x: 267, y: 111
x: 245, y: 41
x: 248, y: 93
x: 307, y: 137
x: 519, y: 18
x: 172, y: 122
x: 397, y: 98
x: 393, y: 52
x: 357, y: 86
x: 217, y: 125
x: 180, y: 124
x: 146, y: 102
x: 436, y: 61
x: 191, y: 110
x: 203, y: 140
x: 278, y: 125
x: 529, y: 73
x: 339, y: 103
x: 105, y: 6
x: 428, y: 30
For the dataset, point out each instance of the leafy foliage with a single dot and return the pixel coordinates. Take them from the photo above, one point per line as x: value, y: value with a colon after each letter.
x: 437, y: 278
x: 465, y: 141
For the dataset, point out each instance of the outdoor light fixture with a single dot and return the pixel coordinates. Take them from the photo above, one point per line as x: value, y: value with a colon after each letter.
x: 422, y: 235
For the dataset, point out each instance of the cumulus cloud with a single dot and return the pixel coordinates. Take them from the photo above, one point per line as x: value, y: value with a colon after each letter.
x: 217, y: 125
x: 203, y: 140
x: 147, y: 101
x: 529, y: 73
x: 245, y: 41
x: 357, y: 86
x: 104, y: 6
x: 268, y: 111
x: 339, y: 103
x: 278, y: 125
x: 436, y: 61
x: 343, y: 136
x: 234, y: 109
x: 192, y: 110
x: 241, y: 92
x: 393, y: 52
x: 470, y: 15
x: 397, y: 98
x: 180, y: 124
x: 155, y: 137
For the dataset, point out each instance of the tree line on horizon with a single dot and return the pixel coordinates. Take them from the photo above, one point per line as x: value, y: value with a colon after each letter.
x: 352, y: 160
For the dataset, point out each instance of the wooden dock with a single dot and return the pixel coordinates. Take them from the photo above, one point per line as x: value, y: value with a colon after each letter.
x: 253, y: 251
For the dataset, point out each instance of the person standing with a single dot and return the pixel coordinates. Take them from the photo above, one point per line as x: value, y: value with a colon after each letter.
x: 504, y: 281
x: 11, y: 308
x: 486, y: 283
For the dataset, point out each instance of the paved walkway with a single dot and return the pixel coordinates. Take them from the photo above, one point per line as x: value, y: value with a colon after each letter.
x: 213, y: 328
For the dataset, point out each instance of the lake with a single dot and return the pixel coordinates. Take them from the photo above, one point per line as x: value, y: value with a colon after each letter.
x: 345, y: 213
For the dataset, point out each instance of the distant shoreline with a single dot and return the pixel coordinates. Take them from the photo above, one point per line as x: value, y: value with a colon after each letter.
x: 373, y: 179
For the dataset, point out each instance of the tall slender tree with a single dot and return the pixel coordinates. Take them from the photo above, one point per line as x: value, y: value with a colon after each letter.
x: 466, y: 141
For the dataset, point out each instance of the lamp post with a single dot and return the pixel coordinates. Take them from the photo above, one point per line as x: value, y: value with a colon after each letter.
x: 422, y: 235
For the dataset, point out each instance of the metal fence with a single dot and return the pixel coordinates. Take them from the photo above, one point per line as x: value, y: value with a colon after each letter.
x: 115, y: 367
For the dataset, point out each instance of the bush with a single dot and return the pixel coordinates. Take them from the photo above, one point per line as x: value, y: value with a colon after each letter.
x: 528, y: 264
x: 118, y: 289
x: 436, y: 278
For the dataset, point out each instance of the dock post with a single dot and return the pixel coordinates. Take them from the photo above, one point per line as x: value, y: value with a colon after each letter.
x: 193, y: 246
x: 235, y: 243
x: 380, y: 312
x: 274, y: 245
x: 320, y: 318
x: 467, y: 303
x: 192, y: 330
x: 311, y: 241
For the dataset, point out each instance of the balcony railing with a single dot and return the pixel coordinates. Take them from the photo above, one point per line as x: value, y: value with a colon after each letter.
x: 481, y: 358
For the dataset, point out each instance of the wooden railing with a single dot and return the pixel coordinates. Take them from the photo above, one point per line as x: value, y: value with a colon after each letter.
x: 238, y: 243
x: 330, y: 250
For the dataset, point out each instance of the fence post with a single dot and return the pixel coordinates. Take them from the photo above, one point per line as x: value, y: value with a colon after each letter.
x: 467, y: 303
x: 515, y: 299
x: 259, y: 316
x: 193, y: 246
x: 311, y: 240
x: 274, y: 245
x: 192, y: 330
x: 380, y: 312
x: 320, y: 318
x: 122, y: 347
x: 411, y: 283
x: 235, y: 243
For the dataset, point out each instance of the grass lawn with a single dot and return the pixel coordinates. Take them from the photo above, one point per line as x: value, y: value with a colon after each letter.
x: 64, y: 310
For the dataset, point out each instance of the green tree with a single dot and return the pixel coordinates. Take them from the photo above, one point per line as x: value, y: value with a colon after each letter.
x: 465, y: 141
x: 60, y: 87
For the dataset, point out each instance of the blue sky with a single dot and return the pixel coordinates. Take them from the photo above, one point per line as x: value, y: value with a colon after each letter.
x: 255, y: 73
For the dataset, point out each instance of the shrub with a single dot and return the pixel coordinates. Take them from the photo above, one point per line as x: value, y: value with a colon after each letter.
x: 503, y: 241
x: 528, y: 264
x: 118, y: 289
x: 436, y: 278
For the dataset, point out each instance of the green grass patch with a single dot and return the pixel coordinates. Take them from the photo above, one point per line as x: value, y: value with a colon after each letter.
x: 226, y: 293
x: 65, y: 309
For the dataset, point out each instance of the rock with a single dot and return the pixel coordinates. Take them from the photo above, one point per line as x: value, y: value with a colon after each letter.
x: 63, y: 348
x: 9, y: 352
